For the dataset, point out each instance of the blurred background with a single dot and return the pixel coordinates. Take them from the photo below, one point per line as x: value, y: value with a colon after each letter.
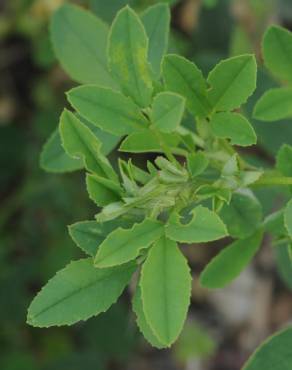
x: 223, y: 326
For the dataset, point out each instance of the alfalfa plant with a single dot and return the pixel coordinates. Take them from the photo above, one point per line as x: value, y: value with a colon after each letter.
x: 198, y: 189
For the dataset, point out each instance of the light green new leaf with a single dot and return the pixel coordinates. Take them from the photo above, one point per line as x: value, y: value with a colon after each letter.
x: 79, y: 142
x: 277, y: 52
x: 232, y: 81
x: 167, y: 111
x: 274, y: 354
x: 288, y: 218
x: 197, y: 163
x: 205, y: 226
x: 235, y: 127
x: 107, y: 109
x: 144, y: 327
x: 156, y: 20
x: 147, y: 141
x: 102, y: 191
x: 229, y: 263
x: 274, y: 105
x: 243, y: 215
x: 88, y: 235
x: 127, y: 53
x: 79, y: 41
x: 78, y: 292
x: 183, y: 77
x: 284, y: 160
x: 166, y: 288
x: 124, y: 245
x: 54, y: 159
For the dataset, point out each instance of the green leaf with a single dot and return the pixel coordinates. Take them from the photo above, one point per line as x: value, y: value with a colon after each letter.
x: 229, y: 263
x: 197, y: 163
x: 274, y: 354
x: 284, y: 264
x: 204, y: 226
x: 166, y: 288
x: 107, y: 10
x: 274, y: 223
x: 107, y: 140
x: 167, y: 111
x: 274, y: 105
x: 79, y: 142
x: 88, y: 235
x: 277, y: 52
x: 231, y: 167
x: 156, y: 20
x: 79, y: 40
x: 111, y: 211
x: 284, y: 160
x: 243, y: 215
x: 78, y: 292
x: 102, y: 191
x: 183, y: 77
x: 235, y: 127
x: 232, y: 81
x: 124, y: 245
x: 127, y: 52
x: 54, y: 159
x: 288, y: 218
x: 109, y: 110
x: 144, y: 327
x: 147, y: 141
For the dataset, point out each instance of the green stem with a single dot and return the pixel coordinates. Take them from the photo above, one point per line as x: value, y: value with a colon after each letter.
x: 273, y: 180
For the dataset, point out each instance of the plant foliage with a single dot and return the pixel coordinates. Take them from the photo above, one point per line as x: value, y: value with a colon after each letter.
x: 199, y: 188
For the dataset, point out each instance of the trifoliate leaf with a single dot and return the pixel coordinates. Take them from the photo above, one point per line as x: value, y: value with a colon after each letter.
x: 124, y: 245
x: 274, y: 105
x: 229, y: 263
x: 55, y: 159
x: 197, y: 163
x: 166, y: 287
x: 156, y: 20
x: 88, y: 235
x: 127, y: 52
x: 243, y: 215
x: 204, y: 226
x: 78, y: 292
x: 141, y: 320
x: 102, y: 191
x: 184, y: 78
x: 147, y: 141
x: 80, y: 142
x: 277, y: 52
x: 79, y: 41
x: 167, y: 111
x: 232, y: 81
x: 235, y: 127
x: 107, y: 109
x: 274, y: 354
